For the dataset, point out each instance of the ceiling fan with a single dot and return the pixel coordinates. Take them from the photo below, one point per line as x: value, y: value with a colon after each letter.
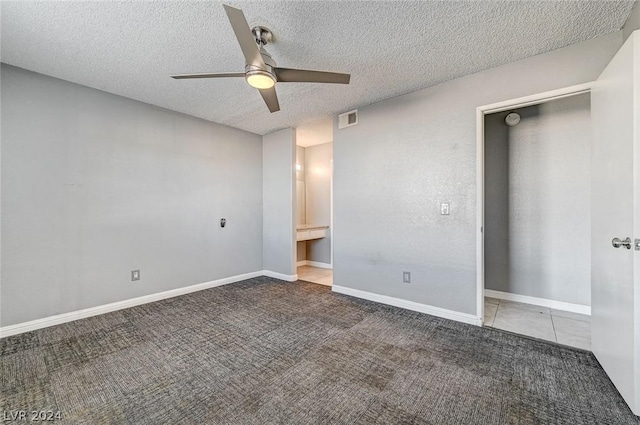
x: 260, y: 70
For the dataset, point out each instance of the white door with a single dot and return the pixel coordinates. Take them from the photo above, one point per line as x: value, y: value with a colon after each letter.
x: 615, y: 210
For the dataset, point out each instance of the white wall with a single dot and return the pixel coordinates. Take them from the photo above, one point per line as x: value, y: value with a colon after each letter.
x: 410, y: 153
x: 301, y: 209
x: 279, y: 200
x: 538, y: 201
x: 318, y: 198
x: 96, y: 185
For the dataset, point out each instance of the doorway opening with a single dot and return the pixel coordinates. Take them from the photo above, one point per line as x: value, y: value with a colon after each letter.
x: 314, y: 202
x: 534, y: 275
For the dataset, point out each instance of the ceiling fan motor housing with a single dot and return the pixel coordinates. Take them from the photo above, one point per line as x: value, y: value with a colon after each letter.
x: 267, y: 70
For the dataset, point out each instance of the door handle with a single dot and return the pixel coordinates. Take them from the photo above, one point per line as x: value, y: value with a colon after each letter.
x: 617, y: 243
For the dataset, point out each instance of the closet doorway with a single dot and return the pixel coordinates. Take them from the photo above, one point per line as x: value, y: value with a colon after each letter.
x: 314, y: 190
x: 536, y: 198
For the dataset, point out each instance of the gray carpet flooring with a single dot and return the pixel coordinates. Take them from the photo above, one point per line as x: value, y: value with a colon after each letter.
x: 263, y: 351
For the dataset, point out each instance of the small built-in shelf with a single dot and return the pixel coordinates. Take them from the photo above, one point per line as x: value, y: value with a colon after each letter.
x: 307, y: 232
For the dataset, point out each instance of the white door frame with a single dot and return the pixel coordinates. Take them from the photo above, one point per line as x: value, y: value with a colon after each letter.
x: 331, y: 205
x: 481, y: 111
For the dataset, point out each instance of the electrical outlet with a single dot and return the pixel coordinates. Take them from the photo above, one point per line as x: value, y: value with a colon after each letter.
x: 445, y: 209
x: 406, y: 277
x: 135, y: 275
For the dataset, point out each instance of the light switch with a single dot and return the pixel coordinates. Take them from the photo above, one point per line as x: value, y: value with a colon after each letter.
x: 444, y: 209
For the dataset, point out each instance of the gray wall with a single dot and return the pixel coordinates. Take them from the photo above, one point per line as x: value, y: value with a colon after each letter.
x: 95, y: 185
x: 410, y: 153
x: 279, y: 189
x: 318, y: 174
x: 301, y: 250
x: 496, y: 193
x: 537, y: 208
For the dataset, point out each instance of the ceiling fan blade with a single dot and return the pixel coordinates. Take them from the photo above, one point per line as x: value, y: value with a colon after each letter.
x: 271, y: 99
x: 214, y: 75
x: 289, y: 75
x: 244, y: 36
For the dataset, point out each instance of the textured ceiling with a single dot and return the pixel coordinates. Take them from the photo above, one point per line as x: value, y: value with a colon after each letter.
x: 390, y: 48
x: 315, y: 132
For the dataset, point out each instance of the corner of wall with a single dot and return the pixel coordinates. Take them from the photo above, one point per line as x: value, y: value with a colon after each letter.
x: 633, y: 22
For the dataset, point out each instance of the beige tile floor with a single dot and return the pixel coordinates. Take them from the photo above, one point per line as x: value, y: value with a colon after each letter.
x: 316, y: 275
x: 539, y: 322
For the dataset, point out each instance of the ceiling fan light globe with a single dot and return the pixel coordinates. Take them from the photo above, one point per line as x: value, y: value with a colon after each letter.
x: 261, y: 80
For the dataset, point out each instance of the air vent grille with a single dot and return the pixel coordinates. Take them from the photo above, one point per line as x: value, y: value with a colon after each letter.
x: 348, y: 119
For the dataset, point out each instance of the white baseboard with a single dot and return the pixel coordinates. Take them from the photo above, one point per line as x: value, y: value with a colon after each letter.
x: 119, y: 305
x: 543, y: 302
x: 410, y: 305
x: 314, y: 264
x: 276, y: 275
x: 319, y: 264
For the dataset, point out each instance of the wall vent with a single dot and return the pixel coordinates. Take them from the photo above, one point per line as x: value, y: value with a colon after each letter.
x: 348, y: 119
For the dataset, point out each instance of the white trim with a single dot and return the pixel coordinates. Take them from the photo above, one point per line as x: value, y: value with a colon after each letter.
x: 331, y: 205
x: 481, y: 111
x: 276, y: 275
x: 410, y: 305
x: 636, y: 212
x: 119, y: 305
x: 314, y: 264
x: 480, y: 213
x: 543, y: 302
x: 319, y: 264
x: 536, y: 99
